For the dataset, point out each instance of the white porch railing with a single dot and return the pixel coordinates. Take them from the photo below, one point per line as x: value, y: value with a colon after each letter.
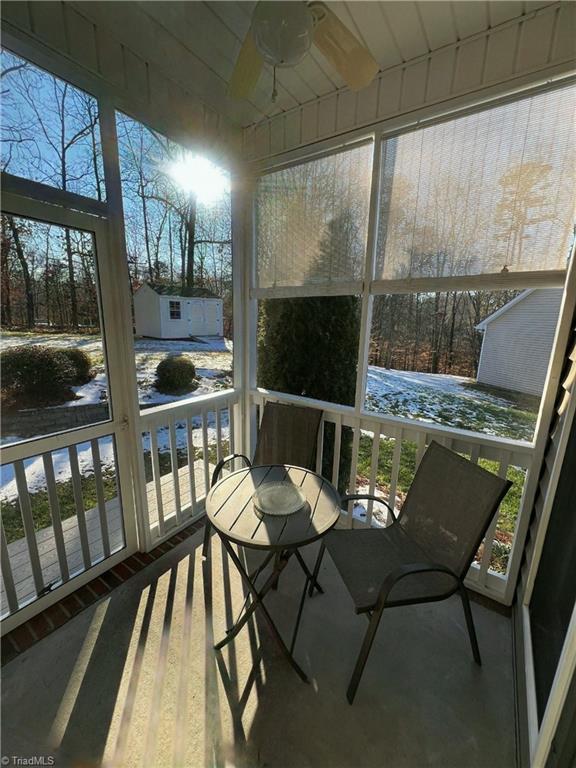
x: 407, y: 439
x: 181, y: 443
x: 50, y: 536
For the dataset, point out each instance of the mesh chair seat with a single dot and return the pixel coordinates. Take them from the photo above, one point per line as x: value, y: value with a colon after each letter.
x: 365, y: 557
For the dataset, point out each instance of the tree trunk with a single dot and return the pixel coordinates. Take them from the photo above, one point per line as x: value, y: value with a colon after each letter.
x: 28, y: 287
x: 6, y: 314
x: 191, y: 238
x: 71, y: 280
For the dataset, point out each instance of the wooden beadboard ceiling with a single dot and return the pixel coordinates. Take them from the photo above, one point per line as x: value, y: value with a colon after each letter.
x: 207, y: 36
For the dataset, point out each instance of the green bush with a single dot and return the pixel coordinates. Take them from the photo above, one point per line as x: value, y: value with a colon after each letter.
x: 81, y: 362
x: 36, y: 375
x: 175, y: 375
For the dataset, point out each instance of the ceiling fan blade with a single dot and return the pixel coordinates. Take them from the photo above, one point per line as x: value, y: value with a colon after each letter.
x: 354, y: 63
x: 246, y: 70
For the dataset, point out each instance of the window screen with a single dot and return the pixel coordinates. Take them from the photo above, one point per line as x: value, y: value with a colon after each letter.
x: 490, y: 193
x: 312, y: 222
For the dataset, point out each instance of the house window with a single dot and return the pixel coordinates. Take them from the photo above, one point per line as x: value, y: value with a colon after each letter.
x: 175, y: 313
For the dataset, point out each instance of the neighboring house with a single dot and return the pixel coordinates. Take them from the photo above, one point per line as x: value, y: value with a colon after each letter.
x: 163, y: 312
x: 518, y: 341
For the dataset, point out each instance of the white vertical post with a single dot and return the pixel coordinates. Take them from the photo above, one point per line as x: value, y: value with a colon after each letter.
x: 55, y: 514
x: 250, y: 325
x: 191, y: 463
x: 131, y: 473
x: 371, y: 245
x: 491, y: 532
x: 100, y: 496
x: 79, y: 504
x: 7, y: 577
x: 174, y: 463
x: 241, y: 256
x: 157, y: 477
x: 337, y: 447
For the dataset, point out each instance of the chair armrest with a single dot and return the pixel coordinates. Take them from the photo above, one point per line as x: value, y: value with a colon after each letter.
x: 363, y: 496
x: 218, y: 468
x: 408, y: 570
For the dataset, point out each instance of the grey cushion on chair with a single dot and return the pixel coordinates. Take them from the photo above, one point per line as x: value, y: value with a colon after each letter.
x: 288, y: 435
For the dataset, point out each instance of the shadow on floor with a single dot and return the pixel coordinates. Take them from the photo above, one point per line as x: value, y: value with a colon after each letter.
x: 134, y: 680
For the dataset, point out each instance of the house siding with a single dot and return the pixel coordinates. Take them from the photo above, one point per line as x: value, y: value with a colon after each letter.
x: 517, y: 344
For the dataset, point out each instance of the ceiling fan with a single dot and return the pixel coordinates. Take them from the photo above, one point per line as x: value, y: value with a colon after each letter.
x: 282, y: 32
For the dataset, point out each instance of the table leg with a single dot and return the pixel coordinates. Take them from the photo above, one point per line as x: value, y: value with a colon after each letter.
x: 257, y: 598
x: 253, y: 576
x: 312, y: 577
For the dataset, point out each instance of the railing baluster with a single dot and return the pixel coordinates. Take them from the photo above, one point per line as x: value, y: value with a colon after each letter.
x: 475, y: 453
x: 396, y: 457
x: 231, y: 409
x: 373, y: 471
x: 353, y: 471
x: 79, y: 504
x: 337, y: 450
x: 100, y: 497
x: 191, y: 463
x: 55, y: 515
x: 175, y: 472
x: 218, y: 434
x: 205, y: 451
x: 491, y: 532
x: 157, y: 477
x: 7, y: 576
x: 28, y: 522
x: 421, y: 443
x: 320, y: 448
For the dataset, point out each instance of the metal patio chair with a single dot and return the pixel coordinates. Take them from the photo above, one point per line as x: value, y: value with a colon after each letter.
x: 426, y: 552
x: 288, y: 435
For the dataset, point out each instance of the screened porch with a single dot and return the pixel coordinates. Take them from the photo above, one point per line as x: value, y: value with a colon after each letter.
x: 358, y: 241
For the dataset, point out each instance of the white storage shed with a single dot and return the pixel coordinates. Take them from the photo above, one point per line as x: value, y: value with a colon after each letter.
x: 165, y: 312
x: 518, y: 341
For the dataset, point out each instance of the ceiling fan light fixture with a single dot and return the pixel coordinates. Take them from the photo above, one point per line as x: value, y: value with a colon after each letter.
x: 282, y: 31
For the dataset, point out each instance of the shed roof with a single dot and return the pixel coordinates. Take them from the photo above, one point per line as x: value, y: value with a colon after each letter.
x: 178, y: 291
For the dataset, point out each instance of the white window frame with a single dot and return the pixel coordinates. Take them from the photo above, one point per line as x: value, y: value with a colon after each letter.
x: 503, y: 587
x: 175, y: 309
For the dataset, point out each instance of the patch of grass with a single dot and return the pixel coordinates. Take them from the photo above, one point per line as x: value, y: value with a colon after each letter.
x: 521, y: 400
x: 41, y: 513
x: 508, y: 509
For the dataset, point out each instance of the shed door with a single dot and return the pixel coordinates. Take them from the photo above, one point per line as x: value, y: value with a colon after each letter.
x: 197, y: 318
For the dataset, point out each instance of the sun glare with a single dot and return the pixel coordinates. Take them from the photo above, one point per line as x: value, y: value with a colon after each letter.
x: 195, y: 174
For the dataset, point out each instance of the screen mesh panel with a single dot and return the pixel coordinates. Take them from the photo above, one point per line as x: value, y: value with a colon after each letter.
x: 484, y: 194
x: 312, y: 220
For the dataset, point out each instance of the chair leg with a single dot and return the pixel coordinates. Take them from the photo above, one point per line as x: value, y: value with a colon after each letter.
x: 363, y: 655
x: 316, y: 570
x: 206, y: 544
x: 470, y: 624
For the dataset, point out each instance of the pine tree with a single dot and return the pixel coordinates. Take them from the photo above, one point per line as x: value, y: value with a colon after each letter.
x: 309, y: 346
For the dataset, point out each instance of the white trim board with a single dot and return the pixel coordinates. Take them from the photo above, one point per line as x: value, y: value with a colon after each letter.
x: 527, y: 52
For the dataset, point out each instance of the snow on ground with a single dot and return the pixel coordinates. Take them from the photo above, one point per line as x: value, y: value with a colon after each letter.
x: 436, y: 398
x: 445, y: 399
x: 212, y: 358
x: 34, y: 467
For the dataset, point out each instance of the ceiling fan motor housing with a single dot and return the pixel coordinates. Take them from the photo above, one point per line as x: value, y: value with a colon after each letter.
x: 282, y: 31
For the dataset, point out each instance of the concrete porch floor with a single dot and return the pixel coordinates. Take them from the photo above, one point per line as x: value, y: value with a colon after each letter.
x: 134, y: 681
